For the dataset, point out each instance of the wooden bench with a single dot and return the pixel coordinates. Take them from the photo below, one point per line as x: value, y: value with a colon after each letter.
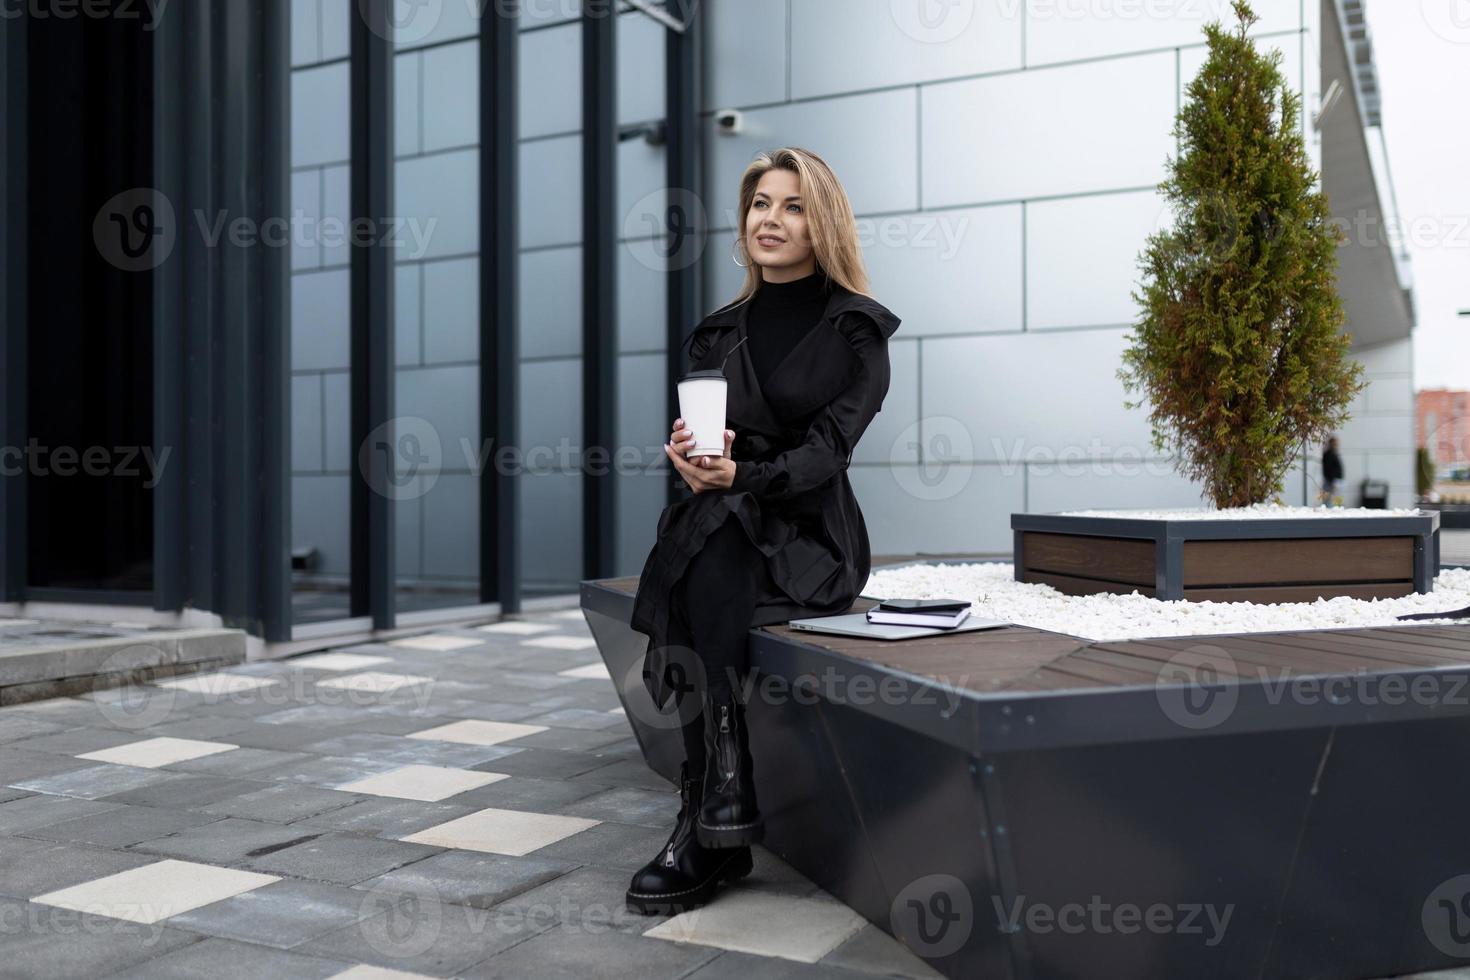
x: 1021, y: 803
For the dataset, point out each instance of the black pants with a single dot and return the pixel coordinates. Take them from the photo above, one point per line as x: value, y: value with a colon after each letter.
x: 722, y: 585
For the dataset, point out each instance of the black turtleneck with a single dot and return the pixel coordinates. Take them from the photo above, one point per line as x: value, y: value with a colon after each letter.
x: 781, y: 314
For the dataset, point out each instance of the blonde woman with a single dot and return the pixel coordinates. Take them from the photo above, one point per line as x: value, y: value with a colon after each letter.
x: 771, y: 531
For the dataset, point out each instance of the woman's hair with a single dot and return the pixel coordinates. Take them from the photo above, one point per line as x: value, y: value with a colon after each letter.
x: 829, y: 220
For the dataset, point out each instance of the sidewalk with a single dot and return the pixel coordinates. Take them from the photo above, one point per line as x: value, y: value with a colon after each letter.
x: 468, y: 803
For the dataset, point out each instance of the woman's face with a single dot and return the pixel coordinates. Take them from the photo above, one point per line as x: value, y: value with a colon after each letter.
x: 775, y: 228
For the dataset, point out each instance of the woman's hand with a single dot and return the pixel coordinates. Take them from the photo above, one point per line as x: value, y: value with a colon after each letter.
x: 703, y: 472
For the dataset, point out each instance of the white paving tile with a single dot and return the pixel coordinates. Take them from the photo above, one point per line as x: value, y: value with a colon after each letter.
x: 427, y: 783
x: 476, y: 732
x: 562, y: 642
x: 435, y: 641
x: 576, y: 614
x: 598, y: 669
x: 364, y: 972
x: 155, y: 891
x: 337, y: 661
x: 518, y: 628
x: 619, y: 710
x: 375, y: 681
x: 803, y: 928
x: 151, y: 753
x: 513, y: 832
x: 217, y: 683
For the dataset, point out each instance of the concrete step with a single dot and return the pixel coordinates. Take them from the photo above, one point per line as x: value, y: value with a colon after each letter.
x: 47, y: 659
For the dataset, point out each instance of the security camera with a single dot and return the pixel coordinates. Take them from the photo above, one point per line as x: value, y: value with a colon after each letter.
x: 729, y: 121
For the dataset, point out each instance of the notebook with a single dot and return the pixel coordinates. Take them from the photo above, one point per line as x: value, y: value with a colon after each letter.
x: 856, y: 624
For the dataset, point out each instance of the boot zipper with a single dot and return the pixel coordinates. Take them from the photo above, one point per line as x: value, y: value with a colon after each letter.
x: 724, y: 717
x: 669, y: 856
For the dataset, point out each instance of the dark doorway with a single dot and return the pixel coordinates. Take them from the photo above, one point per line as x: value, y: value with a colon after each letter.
x: 90, y: 456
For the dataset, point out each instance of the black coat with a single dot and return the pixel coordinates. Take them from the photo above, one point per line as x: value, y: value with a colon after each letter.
x: 794, y: 439
x: 1331, y: 465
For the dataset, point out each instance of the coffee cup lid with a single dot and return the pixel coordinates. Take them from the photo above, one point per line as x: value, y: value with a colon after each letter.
x: 698, y: 375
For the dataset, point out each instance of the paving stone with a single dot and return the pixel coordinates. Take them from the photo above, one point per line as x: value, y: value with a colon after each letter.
x: 471, y: 877
x: 19, y: 816
x: 154, y: 891
x: 492, y: 710
x: 517, y: 628
x: 279, y: 738
x: 152, y: 753
x: 337, y: 661
x: 280, y: 803
x: 282, y: 914
x: 240, y: 762
x: 417, y: 934
x: 625, y: 772
x: 70, y: 712
x: 427, y: 783
x: 527, y: 793
x: 563, y: 953
x: 540, y: 679
x: 579, y: 718
x: 328, y: 771
x: 7, y: 794
x: 571, y: 740
x: 209, y: 726
x: 97, y: 781
x: 344, y: 859
x: 874, y: 951
x: 628, y: 805
x: 435, y: 641
x: 310, y: 717
x: 18, y: 765
x: 611, y: 845
x: 744, y: 966
x: 13, y: 726
x: 225, y: 958
x: 384, y: 817
x: 404, y: 750
x: 53, y: 942
x: 225, y: 841
x: 589, y: 898
x: 473, y: 732
x: 750, y: 920
x: 75, y: 741
x: 120, y: 826
x: 546, y: 763
x: 190, y: 790
x: 32, y: 867
x: 501, y: 831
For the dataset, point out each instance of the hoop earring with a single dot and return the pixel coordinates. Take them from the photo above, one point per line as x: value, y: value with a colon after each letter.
x: 735, y: 247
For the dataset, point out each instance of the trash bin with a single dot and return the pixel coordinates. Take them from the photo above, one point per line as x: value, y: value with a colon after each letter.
x: 1374, y: 494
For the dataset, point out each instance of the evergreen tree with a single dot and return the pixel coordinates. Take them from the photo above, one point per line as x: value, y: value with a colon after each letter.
x: 1237, y: 347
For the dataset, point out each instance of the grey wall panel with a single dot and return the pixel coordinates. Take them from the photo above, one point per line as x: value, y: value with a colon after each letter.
x: 306, y: 423
x: 938, y: 510
x: 319, y: 117
x: 442, y: 194
x: 643, y: 301
x: 846, y: 45
x: 551, y: 192
x: 336, y: 27
x: 306, y: 46
x: 452, y: 529
x: 319, y: 327
x: 870, y: 140
x: 452, y: 311
x: 551, y: 81
x: 642, y: 189
x: 1082, y: 257
x: 892, y: 436
x: 551, y: 411
x: 951, y: 271
x: 551, y: 526
x: 336, y: 216
x: 1114, y: 484
x: 1069, y: 31
x: 408, y: 535
x: 641, y: 44
x: 337, y: 418
x: 319, y: 519
x: 747, y: 54
x: 451, y: 104
x: 407, y: 325
x: 407, y: 104
x: 448, y: 398
x: 306, y: 210
x: 551, y: 303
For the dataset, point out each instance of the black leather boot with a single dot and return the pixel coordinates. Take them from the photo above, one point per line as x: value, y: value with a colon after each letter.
x: 728, y: 816
x: 685, y: 875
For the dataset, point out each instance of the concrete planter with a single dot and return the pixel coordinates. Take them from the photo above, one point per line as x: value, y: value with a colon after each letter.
x: 1254, y: 560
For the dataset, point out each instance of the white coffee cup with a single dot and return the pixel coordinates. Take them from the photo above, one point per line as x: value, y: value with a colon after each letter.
x: 702, y: 406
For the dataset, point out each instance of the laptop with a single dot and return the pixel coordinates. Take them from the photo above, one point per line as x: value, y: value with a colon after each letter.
x: 856, y: 624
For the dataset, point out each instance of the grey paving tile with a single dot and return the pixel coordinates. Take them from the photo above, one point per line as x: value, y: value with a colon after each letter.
x: 541, y: 680
x: 7, y: 794
x: 328, y: 771
x: 189, y: 790
x: 120, y: 826
x: 609, y: 845
x: 629, y: 805
x: 571, y: 740
x: 580, y: 718
x: 543, y: 763
x: 470, y: 877
x: 575, y: 953
x: 625, y: 772
x: 525, y: 793
x: 492, y: 710
x: 310, y: 714
x: 384, y: 817
x: 69, y: 712
x: 406, y: 751
x: 280, y: 737
x: 31, y: 867
x: 18, y: 765
x: 44, y: 941
x: 227, y: 841
x: 876, y: 952
x: 282, y: 914
x: 18, y: 816
x: 97, y: 781
x: 280, y: 803
x: 14, y: 726
x: 586, y: 899
x: 239, y: 762
x: 343, y: 859
x: 417, y: 934
x: 731, y: 965
x: 225, y: 958
x: 209, y: 726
